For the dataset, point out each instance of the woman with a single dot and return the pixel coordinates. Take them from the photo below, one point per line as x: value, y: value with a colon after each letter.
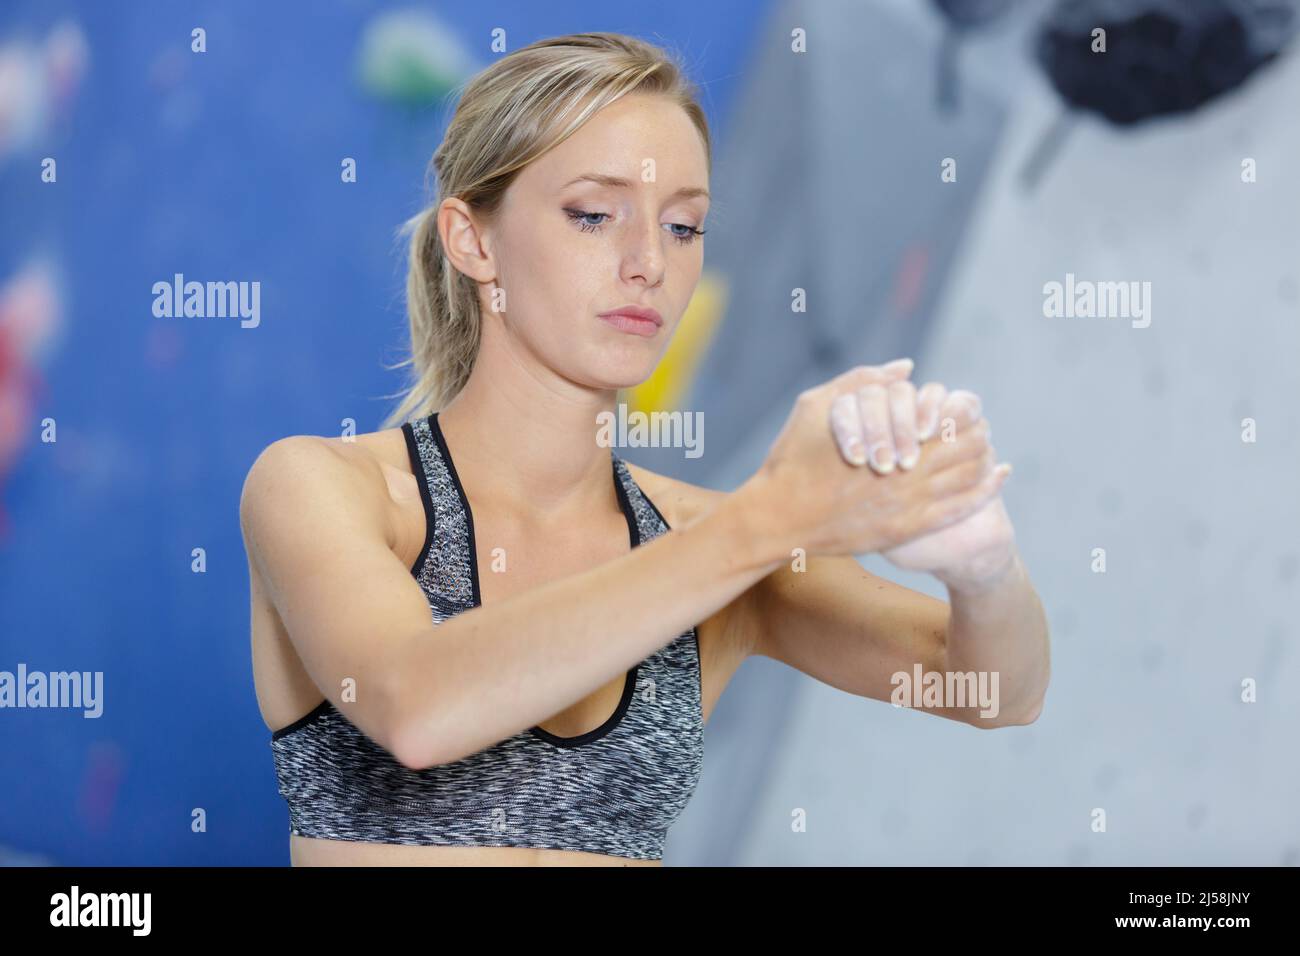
x: 481, y: 636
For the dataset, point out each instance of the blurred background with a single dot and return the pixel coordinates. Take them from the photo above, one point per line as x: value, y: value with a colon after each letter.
x: 922, y: 170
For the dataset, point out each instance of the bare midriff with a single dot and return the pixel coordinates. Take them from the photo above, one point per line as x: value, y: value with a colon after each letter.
x: 312, y: 851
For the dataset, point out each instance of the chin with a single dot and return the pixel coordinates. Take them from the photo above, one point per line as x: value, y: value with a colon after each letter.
x: 615, y: 368
x: 610, y: 380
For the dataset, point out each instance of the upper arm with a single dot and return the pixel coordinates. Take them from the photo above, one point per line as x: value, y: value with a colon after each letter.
x: 316, y: 532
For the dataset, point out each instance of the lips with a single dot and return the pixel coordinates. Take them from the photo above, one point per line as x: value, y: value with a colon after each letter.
x: 635, y: 312
x: 634, y: 320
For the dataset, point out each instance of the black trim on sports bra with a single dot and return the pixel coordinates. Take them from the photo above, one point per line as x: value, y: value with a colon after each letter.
x: 695, y: 631
x: 302, y: 721
x: 417, y: 469
x: 436, y: 429
x: 634, y: 538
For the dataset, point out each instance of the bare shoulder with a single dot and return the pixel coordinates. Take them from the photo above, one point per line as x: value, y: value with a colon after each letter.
x: 305, y: 463
x: 680, y: 502
x: 317, y: 477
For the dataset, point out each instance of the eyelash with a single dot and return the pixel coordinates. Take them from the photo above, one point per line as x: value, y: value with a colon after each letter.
x: 577, y: 215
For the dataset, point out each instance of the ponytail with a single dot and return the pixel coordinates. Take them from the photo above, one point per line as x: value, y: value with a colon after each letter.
x: 442, y: 310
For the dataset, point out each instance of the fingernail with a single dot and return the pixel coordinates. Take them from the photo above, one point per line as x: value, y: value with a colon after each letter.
x: 1005, y: 468
x: 882, y: 457
x: 857, y: 453
x: 907, y: 461
x: 898, y: 363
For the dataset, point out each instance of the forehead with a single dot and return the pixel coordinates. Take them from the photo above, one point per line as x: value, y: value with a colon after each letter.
x: 620, y: 137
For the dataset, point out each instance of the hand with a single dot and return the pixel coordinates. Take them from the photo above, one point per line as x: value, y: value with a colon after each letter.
x: 966, y: 556
x: 810, y: 496
x: 972, y: 552
x: 883, y: 421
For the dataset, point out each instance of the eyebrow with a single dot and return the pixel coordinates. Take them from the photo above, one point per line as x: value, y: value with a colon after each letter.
x: 617, y: 182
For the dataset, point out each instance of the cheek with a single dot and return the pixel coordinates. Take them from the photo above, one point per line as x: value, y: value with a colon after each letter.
x: 535, y: 275
x: 552, y: 293
x: 572, y: 281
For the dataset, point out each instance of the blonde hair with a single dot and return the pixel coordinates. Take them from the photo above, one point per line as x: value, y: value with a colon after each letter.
x: 508, y: 115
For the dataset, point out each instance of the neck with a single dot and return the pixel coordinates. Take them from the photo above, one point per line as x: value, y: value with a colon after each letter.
x: 542, y: 427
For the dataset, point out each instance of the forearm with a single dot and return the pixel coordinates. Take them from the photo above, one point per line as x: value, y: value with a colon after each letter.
x: 495, y: 670
x: 1000, y: 627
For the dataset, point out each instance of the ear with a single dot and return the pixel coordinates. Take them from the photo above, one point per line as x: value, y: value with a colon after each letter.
x: 464, y: 240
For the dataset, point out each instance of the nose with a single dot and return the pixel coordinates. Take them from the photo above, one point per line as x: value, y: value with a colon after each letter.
x: 643, y: 259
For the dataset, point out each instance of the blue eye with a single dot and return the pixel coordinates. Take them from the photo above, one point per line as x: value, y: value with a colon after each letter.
x: 689, y: 236
x: 580, y: 219
x: 577, y: 215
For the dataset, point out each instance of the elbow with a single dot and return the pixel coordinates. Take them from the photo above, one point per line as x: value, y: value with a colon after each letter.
x: 1035, y: 709
x: 1020, y: 718
x: 431, y: 722
x: 415, y: 738
x: 409, y: 743
x: 1028, y: 713
x: 1031, y: 715
x: 405, y: 748
x: 419, y: 747
x: 407, y: 737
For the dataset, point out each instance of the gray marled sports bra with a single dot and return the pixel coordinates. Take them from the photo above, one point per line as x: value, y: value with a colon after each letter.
x: 613, y: 790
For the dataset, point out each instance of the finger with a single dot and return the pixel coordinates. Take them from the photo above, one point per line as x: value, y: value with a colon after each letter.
x: 960, y: 409
x: 897, y: 369
x: 968, y: 443
x: 962, y: 476
x: 846, y: 426
x: 902, y: 412
x: 873, y: 406
x: 860, y: 375
x: 928, y: 401
x: 943, y: 512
